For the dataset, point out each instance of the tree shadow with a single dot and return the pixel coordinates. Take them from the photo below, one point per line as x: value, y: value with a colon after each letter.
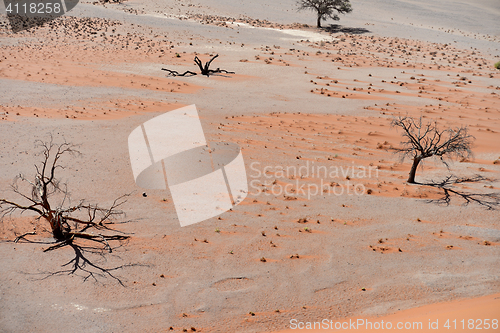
x: 335, y: 28
x: 19, y: 23
x: 80, y: 264
x: 489, y: 201
x: 219, y: 74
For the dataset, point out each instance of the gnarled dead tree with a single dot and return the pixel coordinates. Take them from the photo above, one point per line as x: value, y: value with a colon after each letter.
x: 425, y: 140
x: 48, y: 198
x: 204, y: 69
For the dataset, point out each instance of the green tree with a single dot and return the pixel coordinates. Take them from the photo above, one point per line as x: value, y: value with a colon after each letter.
x: 326, y: 8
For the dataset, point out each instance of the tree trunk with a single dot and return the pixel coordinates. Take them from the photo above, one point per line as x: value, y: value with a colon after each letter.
x: 319, y: 21
x: 59, y: 232
x: 413, y: 171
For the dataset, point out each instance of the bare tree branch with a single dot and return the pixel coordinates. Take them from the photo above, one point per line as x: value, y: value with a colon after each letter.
x: 175, y: 73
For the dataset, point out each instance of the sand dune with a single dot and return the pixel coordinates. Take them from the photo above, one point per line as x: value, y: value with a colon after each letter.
x: 329, y: 229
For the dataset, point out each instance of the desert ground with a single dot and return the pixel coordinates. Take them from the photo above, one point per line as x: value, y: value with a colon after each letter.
x: 365, y: 245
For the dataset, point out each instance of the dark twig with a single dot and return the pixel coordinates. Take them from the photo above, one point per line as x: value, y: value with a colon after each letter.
x: 18, y: 238
x: 175, y: 73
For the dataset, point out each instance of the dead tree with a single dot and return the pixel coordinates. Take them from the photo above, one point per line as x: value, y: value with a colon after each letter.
x: 426, y: 140
x: 67, y: 222
x: 204, y: 69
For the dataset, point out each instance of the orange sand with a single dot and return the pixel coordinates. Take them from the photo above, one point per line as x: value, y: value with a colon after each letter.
x: 478, y: 309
